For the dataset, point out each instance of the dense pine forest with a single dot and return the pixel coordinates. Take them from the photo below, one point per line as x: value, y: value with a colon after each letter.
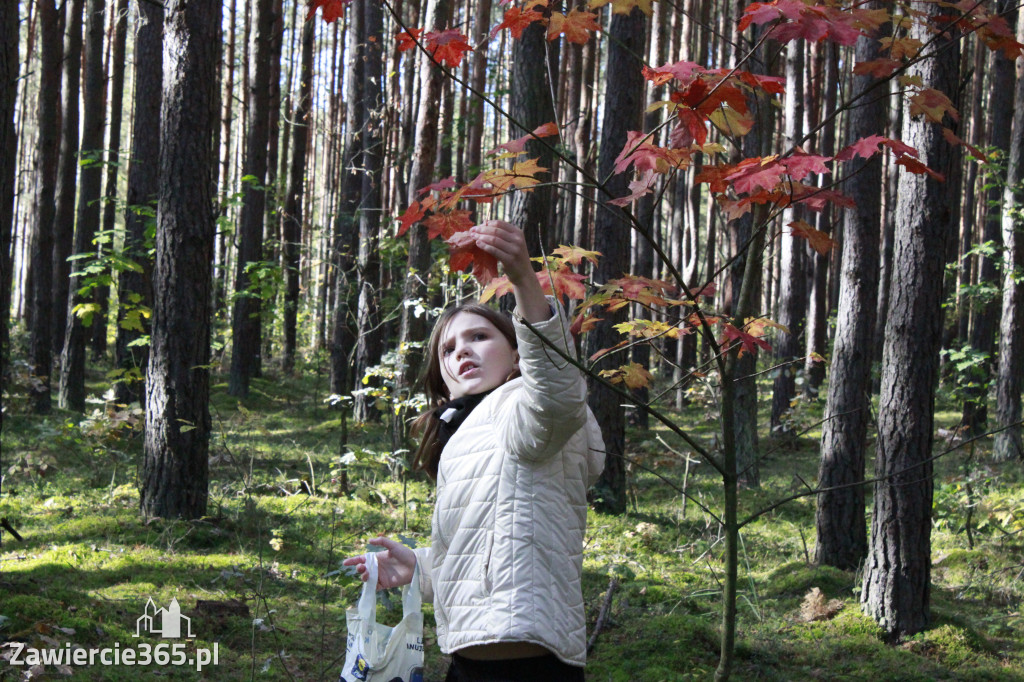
x: 788, y: 234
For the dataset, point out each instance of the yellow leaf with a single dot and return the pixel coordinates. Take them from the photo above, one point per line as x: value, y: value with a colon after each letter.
x: 731, y: 122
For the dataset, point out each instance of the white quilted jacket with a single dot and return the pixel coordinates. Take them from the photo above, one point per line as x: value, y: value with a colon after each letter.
x: 511, y: 511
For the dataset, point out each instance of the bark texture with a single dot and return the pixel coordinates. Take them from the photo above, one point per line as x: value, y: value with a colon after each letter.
x: 136, y: 286
x: 174, y: 475
x: 623, y: 111
x: 8, y: 164
x: 842, y: 531
x: 897, y: 579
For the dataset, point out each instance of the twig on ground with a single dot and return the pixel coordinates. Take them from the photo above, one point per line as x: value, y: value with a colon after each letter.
x: 602, y: 616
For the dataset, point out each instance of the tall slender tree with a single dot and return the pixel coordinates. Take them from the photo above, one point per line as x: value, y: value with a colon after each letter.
x: 9, y: 28
x: 624, y: 91
x: 1008, y: 444
x: 842, y: 532
x: 897, y: 576
x: 72, y: 366
x: 41, y: 247
x: 246, y: 327
x: 67, y: 171
x: 110, y: 193
x: 293, y: 215
x: 135, y: 284
x: 174, y: 475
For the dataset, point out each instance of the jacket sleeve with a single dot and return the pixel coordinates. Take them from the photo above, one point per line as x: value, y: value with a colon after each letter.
x: 554, y: 404
x: 425, y: 562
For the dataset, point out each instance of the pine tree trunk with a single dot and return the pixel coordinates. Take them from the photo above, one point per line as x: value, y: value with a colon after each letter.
x: 293, y: 216
x: 1007, y: 444
x: 623, y: 111
x: 174, y: 474
x: 984, y: 322
x: 67, y: 173
x: 9, y: 66
x: 369, y: 340
x: 842, y: 532
x: 531, y: 106
x: 42, y: 239
x: 246, y: 327
x: 116, y: 68
x: 72, y: 366
x: 897, y: 577
x: 136, y: 286
x: 792, y: 309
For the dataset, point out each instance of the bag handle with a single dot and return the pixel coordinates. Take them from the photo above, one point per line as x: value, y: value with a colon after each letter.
x: 412, y: 600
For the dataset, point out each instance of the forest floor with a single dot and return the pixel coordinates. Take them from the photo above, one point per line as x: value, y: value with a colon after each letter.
x: 260, y: 575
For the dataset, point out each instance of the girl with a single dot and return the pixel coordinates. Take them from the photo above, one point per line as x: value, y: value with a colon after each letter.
x: 513, y: 448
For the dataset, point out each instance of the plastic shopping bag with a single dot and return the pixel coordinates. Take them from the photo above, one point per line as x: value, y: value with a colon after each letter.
x: 378, y: 653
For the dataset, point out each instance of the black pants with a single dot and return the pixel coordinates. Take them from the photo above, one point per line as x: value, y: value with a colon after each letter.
x: 535, y: 669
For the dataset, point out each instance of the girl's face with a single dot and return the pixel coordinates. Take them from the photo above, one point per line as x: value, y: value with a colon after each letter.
x: 475, y: 357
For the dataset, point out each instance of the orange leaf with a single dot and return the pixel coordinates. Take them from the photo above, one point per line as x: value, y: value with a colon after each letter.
x: 330, y: 10
x: 407, y: 39
x: 447, y: 224
x: 576, y: 26
x: 818, y: 240
x: 447, y: 47
x: 465, y: 253
x: 517, y: 20
x: 574, y: 255
x: 915, y: 166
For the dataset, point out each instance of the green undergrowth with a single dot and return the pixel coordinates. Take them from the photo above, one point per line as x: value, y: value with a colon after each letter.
x: 261, y: 580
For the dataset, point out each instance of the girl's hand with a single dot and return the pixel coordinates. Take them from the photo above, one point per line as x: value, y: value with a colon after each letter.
x: 394, y: 566
x: 506, y: 242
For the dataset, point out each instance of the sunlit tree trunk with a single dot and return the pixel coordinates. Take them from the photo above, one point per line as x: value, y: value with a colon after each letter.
x: 174, y: 474
x: 72, y: 366
x: 293, y: 216
x: 370, y: 337
x: 1007, y: 444
x: 792, y: 310
x: 897, y: 576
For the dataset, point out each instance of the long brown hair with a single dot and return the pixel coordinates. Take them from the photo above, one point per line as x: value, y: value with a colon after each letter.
x: 428, y: 454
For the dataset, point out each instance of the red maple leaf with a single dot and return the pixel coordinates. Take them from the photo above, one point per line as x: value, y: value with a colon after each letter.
x: 954, y: 140
x: 407, y: 39
x: 576, y: 26
x: 330, y: 10
x: 519, y: 144
x: 517, y: 20
x: 447, y: 47
x: 637, y: 188
x: 645, y: 156
x: 818, y: 240
x: 933, y: 104
x: 566, y: 282
x: 748, y: 178
x: 440, y: 185
x: 865, y: 148
x: 749, y: 342
x: 411, y: 215
x: 899, y: 148
x: 683, y: 71
x: 692, y: 129
x: 918, y: 168
x: 801, y: 164
x: 879, y: 68
x: 447, y: 224
x: 465, y: 253
x: 656, y: 76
